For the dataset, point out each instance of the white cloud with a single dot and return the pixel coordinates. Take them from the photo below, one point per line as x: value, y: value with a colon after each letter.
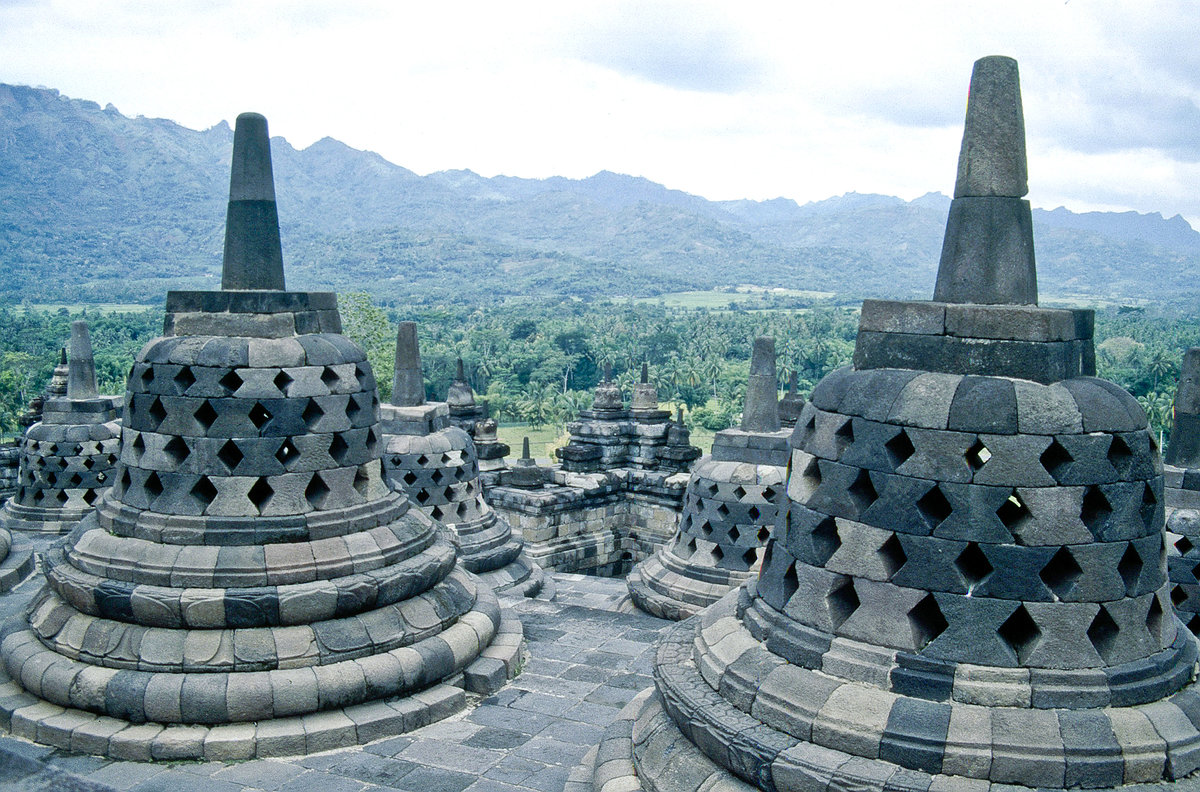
x: 757, y: 98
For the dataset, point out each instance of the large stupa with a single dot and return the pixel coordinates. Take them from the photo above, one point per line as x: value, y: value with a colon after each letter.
x: 1181, y: 483
x: 251, y: 585
x: 969, y: 589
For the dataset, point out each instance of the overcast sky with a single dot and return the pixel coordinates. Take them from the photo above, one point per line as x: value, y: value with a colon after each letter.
x: 738, y: 99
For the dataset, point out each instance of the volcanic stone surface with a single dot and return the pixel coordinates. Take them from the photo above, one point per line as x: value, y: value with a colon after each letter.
x: 68, y: 457
x: 435, y: 463
x: 968, y: 590
x: 250, y: 585
x: 1182, y: 487
x: 731, y: 503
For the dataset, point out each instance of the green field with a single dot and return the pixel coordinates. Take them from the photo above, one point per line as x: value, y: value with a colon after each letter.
x: 104, y: 308
x: 746, y: 296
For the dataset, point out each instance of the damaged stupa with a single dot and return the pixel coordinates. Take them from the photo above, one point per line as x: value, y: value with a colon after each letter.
x: 969, y: 589
x: 732, y: 500
x: 251, y: 585
x: 69, y: 455
x: 1181, y: 484
x: 435, y: 463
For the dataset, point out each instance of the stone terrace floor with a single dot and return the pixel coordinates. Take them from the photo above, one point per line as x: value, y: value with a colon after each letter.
x: 585, y: 662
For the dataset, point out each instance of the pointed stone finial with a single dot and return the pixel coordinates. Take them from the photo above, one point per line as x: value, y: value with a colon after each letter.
x: 987, y: 253
x: 793, y: 382
x: 458, y: 371
x: 679, y: 415
x: 608, y: 372
x: 645, y: 372
x: 253, y: 252
x: 525, y: 448
x: 1183, y: 450
x: 408, y: 385
x: 761, y: 411
x: 81, y: 366
x: 992, y: 159
x: 62, y: 356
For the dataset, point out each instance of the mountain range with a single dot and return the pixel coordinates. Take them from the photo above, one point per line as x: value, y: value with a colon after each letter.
x: 99, y: 207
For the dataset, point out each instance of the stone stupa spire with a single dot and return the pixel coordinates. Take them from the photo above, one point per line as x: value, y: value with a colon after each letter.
x: 408, y: 385
x: 253, y: 252
x: 987, y: 252
x: 1184, y: 448
x: 81, y: 368
x: 761, y: 410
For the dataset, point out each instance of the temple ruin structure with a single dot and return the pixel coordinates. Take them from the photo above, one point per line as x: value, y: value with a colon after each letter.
x: 434, y: 461
x: 969, y: 589
x: 251, y: 585
x: 731, y: 503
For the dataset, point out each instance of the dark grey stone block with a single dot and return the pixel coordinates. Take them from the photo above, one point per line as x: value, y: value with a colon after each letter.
x: 915, y: 735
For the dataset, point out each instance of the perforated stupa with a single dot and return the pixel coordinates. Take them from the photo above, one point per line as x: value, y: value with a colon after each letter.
x: 969, y: 589
x: 251, y: 585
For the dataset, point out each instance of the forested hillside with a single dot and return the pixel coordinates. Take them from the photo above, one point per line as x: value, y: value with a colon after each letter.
x: 95, y: 206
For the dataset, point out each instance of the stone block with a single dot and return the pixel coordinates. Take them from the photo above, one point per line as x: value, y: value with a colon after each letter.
x: 903, y: 316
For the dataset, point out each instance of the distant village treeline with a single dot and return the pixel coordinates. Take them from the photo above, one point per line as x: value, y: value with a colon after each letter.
x: 537, y: 361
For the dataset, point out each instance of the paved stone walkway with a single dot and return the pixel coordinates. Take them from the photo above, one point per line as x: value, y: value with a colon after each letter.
x: 586, y: 661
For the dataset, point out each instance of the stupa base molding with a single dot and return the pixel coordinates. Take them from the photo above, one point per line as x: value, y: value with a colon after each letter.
x: 520, y: 577
x: 857, y: 736
x: 33, y: 519
x: 80, y: 731
x: 666, y: 593
x: 15, y: 563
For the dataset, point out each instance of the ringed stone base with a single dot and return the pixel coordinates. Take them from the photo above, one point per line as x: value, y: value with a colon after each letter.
x: 15, y: 562
x: 80, y: 731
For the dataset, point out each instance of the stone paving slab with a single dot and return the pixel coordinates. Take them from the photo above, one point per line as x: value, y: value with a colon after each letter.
x: 585, y: 662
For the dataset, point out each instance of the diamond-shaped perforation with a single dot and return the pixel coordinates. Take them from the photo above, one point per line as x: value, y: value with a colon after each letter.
x: 891, y: 553
x: 153, y: 485
x: 231, y: 382
x: 287, y: 453
x: 1130, y: 569
x: 926, y: 621
x: 352, y: 408
x: 934, y: 507
x: 750, y: 557
x: 260, y: 494
x: 977, y: 455
x: 764, y: 534
x: 75, y: 480
x: 184, y: 380
x: 316, y: 491
x: 1095, y: 511
x: 1060, y: 572
x: 1154, y: 619
x: 973, y: 565
x: 843, y: 601
x: 410, y: 478
x: 1103, y: 633
x: 739, y: 492
x: 1055, y: 459
x: 176, y: 450
x: 753, y: 513
x: 1149, y: 507
x: 1119, y: 456
x: 862, y: 491
x: 899, y: 449
x: 717, y: 554
x: 436, y: 477
x: 825, y: 540
x: 844, y: 436
x: 329, y: 377
x: 259, y: 415
x: 139, y: 446
x: 203, y: 492
x: 312, y: 413
x: 338, y: 449
x: 157, y: 413
x: 1020, y: 632
x: 63, y: 497
x: 205, y: 415
x: 362, y: 480
x: 361, y: 375
x: 1014, y: 514
x: 1194, y: 624
x: 147, y: 377
x: 1178, y: 595
x: 283, y: 381
x: 809, y: 427
x: 734, y: 534
x: 230, y: 455
x: 1183, y: 545
x: 90, y: 496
